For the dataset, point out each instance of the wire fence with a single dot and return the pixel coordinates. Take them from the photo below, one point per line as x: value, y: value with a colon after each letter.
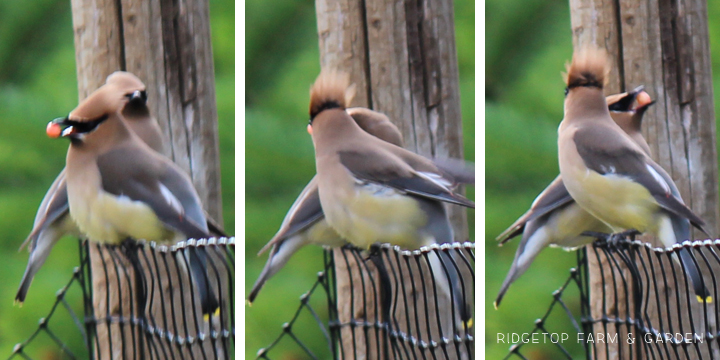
x: 644, y: 305
x: 141, y: 302
x: 390, y: 303
x: 557, y: 319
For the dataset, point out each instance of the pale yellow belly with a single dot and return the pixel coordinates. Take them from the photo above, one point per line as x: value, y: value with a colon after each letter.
x: 364, y: 218
x: 618, y: 201
x: 109, y: 219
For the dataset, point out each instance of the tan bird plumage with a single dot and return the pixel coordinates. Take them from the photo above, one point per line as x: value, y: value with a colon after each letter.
x: 120, y: 189
x: 52, y: 220
x: 305, y: 222
x: 554, y: 219
x: 608, y: 174
x: 372, y: 191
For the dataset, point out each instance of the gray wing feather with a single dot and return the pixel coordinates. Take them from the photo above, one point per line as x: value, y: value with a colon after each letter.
x: 142, y: 180
x: 605, y: 153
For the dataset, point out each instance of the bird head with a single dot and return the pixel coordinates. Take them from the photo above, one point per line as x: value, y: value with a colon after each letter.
x: 136, y: 93
x: 131, y: 85
x: 104, y: 103
x: 627, y: 108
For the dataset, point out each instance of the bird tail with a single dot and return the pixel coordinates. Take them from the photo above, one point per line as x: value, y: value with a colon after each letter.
x: 331, y: 89
x: 589, y: 67
x: 448, y: 280
x: 215, y: 228
x: 279, y: 256
x: 701, y: 292
x: 681, y: 229
x: 39, y: 251
x: 198, y: 267
x: 534, y: 240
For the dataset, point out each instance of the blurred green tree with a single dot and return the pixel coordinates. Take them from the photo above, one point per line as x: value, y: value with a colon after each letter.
x: 282, y: 61
x: 38, y: 83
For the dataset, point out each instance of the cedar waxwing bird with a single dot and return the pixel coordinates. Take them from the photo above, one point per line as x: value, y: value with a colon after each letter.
x: 52, y: 220
x: 554, y: 219
x: 118, y: 188
x: 305, y: 223
x: 610, y: 176
x: 372, y: 191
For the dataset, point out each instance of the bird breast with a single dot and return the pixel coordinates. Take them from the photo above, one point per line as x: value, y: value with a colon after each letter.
x: 111, y: 219
x: 371, y: 213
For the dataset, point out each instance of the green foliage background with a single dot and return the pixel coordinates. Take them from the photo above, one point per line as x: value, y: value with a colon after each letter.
x: 526, y: 46
x: 282, y: 61
x: 38, y: 83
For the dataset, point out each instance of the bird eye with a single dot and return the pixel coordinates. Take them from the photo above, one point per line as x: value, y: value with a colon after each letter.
x: 143, y: 95
x: 566, y: 91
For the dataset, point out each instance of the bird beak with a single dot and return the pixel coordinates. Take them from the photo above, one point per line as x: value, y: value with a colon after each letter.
x: 55, y: 130
x: 637, y: 90
x: 136, y: 95
x: 643, y: 101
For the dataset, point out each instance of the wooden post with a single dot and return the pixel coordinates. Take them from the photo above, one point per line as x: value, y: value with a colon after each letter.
x: 663, y: 45
x: 166, y: 43
x: 402, y: 59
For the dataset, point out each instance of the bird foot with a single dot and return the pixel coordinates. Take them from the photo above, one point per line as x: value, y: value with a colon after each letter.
x: 612, y: 239
x: 128, y: 244
x: 628, y: 234
x: 600, y: 236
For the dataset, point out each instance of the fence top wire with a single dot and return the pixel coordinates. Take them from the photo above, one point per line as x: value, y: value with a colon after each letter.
x: 392, y: 303
x: 148, y: 313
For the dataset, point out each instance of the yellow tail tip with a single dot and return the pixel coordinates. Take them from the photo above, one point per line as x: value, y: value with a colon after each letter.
x: 469, y: 323
x: 707, y: 300
x: 216, y: 313
x: 249, y: 303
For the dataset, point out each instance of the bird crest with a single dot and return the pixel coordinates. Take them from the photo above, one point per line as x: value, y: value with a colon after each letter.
x: 331, y: 89
x: 125, y: 81
x: 590, y: 68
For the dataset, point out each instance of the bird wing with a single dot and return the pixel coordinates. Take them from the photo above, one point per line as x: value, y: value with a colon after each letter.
x: 554, y: 197
x: 161, y: 186
x: 214, y: 227
x: 305, y: 211
x: 53, y: 207
x: 461, y: 171
x: 605, y: 152
x: 391, y: 171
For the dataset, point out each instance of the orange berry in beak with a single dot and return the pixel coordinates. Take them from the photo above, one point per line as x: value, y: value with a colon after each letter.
x: 643, y: 99
x: 53, y: 130
x: 309, y: 129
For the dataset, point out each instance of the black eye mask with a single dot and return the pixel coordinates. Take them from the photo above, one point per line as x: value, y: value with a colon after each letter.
x: 80, y: 127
